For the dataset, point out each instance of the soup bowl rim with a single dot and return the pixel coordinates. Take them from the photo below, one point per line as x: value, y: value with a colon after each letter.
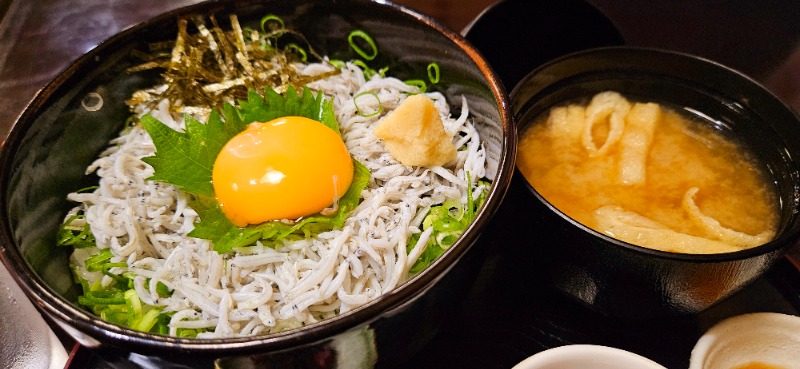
x: 786, y: 236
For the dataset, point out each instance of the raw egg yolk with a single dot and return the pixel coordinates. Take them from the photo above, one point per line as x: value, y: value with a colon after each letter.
x: 286, y: 168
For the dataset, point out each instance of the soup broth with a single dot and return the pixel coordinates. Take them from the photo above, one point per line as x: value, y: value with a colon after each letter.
x: 758, y: 365
x: 649, y: 175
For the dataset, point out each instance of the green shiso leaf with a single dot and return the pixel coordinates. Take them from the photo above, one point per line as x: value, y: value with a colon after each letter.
x: 186, y: 160
x: 227, y: 236
x: 182, y: 158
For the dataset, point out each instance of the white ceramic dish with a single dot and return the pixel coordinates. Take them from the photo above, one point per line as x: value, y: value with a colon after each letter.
x: 770, y: 339
x: 587, y: 357
x: 27, y: 340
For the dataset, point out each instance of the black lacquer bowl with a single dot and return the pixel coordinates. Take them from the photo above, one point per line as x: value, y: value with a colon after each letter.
x: 55, y: 139
x: 620, y: 279
x: 518, y: 36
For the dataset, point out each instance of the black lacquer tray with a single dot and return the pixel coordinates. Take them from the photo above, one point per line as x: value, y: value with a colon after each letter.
x: 506, y: 318
x: 508, y: 315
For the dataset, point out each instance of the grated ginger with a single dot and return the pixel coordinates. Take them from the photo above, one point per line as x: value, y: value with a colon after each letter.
x: 414, y: 134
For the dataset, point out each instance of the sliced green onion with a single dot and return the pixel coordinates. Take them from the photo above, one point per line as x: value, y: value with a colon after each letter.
x: 87, y: 189
x: 108, y: 266
x: 99, y: 258
x: 433, y: 73
x: 119, y: 303
x: 91, y: 300
x: 99, y: 267
x: 417, y: 83
x: 353, y: 37
x: 129, y: 124
x: 447, y: 239
x: 455, y: 209
x: 449, y: 220
x: 110, y: 314
x: 107, y: 294
x: 186, y: 333
x: 382, y: 71
x: 271, y: 23
x: 447, y: 224
x: 265, y: 45
x: 297, y: 49
x: 338, y: 64
x: 69, y: 235
x: 364, y: 113
x: 162, y: 324
x: 162, y: 289
x: 484, y: 194
x: 119, y: 278
x: 368, y: 72
x: 97, y: 286
x: 147, y: 321
x: 470, y: 201
x: 133, y: 302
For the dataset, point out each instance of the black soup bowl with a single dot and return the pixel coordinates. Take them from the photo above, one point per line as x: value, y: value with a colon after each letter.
x: 623, y: 280
x: 56, y: 138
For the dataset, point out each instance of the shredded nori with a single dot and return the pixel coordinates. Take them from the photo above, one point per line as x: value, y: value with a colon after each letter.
x: 206, y: 68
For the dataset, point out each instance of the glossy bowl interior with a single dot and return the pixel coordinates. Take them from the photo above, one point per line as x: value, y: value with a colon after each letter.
x: 55, y: 139
x: 621, y: 279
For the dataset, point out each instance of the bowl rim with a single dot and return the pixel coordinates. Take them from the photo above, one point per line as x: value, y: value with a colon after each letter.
x: 574, y: 354
x: 65, y: 312
x: 715, y: 340
x: 783, y: 240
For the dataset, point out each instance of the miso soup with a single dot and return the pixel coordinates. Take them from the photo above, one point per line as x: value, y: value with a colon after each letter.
x: 649, y: 175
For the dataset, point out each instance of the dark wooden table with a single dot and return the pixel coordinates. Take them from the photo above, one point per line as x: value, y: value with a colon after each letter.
x: 38, y: 38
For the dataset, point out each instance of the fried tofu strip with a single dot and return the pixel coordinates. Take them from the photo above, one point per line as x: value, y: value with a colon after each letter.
x: 608, y: 107
x: 640, y: 125
x: 716, y: 231
x: 567, y: 122
x: 633, y: 228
